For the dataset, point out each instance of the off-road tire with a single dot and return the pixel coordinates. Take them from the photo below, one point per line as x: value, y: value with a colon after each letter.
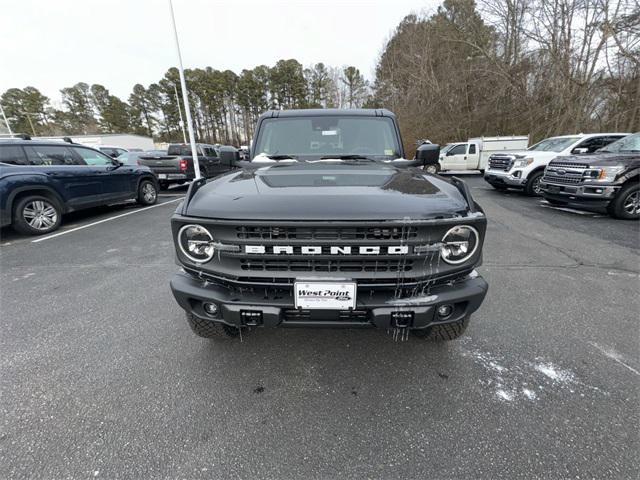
x: 443, y: 333
x: 432, y: 169
x: 617, y: 207
x: 532, y: 181
x: 209, y: 329
x: 21, y: 225
x: 147, y: 193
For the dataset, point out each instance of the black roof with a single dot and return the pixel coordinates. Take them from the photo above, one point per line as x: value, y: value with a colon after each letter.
x: 313, y: 112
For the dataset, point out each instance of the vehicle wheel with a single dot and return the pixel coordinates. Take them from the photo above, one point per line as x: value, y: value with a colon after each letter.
x: 532, y: 188
x: 209, y: 329
x: 36, y: 215
x: 432, y: 169
x: 626, y: 205
x: 147, y: 193
x: 163, y: 185
x: 443, y: 333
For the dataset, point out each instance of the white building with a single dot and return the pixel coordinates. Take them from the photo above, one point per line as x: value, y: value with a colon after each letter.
x: 124, y: 140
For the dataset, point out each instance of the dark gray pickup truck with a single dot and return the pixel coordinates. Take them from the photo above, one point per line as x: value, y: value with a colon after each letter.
x: 329, y: 226
x: 177, y: 165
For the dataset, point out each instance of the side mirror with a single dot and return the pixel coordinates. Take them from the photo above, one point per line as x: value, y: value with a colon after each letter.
x: 579, y: 151
x: 117, y: 162
x: 428, y: 154
x: 229, y: 155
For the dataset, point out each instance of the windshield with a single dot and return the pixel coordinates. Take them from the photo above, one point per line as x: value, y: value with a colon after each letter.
x: 554, y: 144
x: 630, y: 144
x: 309, y: 138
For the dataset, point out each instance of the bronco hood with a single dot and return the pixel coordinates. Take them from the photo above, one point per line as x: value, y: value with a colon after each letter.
x: 317, y: 191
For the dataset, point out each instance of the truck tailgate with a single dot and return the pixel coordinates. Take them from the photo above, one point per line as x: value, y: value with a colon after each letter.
x: 166, y: 164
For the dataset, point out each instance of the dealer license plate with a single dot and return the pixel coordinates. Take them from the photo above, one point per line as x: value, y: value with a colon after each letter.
x: 325, y: 295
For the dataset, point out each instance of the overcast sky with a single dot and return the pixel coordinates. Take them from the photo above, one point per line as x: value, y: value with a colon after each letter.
x: 51, y: 44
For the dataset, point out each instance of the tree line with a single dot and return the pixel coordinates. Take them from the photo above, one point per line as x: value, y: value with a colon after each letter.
x: 502, y: 67
x: 492, y: 67
x: 225, y: 105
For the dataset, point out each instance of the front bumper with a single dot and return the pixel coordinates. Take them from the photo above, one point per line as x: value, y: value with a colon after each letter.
x: 376, y: 308
x: 500, y: 177
x: 592, y: 195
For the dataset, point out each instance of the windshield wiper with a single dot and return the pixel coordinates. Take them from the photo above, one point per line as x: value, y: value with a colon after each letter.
x: 281, y: 157
x: 347, y: 157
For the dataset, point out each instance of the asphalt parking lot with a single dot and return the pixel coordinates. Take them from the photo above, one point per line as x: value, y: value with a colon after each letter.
x: 102, y: 378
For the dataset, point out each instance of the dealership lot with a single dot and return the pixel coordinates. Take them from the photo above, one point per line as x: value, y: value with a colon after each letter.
x: 101, y: 377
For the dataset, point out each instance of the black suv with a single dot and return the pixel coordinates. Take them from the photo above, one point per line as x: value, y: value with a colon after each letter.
x: 329, y: 226
x: 42, y: 180
x: 608, y: 179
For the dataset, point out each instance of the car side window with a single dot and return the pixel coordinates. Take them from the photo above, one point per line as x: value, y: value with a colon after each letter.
x: 458, y: 150
x: 93, y: 157
x: 13, y: 155
x: 51, y: 155
x: 591, y: 144
x: 472, y: 148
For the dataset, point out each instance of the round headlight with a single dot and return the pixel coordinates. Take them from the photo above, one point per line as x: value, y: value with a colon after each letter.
x: 459, y: 244
x: 196, y: 243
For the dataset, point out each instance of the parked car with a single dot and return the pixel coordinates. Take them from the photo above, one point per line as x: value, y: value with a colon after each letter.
x: 330, y: 228
x: 176, y: 165
x: 523, y: 170
x: 474, y: 153
x: 610, y: 179
x: 42, y: 180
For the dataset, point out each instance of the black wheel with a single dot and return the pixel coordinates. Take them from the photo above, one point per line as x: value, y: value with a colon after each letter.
x: 36, y: 215
x: 163, y: 185
x: 209, y: 329
x: 147, y: 193
x: 432, y: 169
x: 443, y: 333
x: 626, y: 205
x: 532, y: 188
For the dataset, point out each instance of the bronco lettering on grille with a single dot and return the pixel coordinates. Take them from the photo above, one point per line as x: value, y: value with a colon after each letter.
x: 333, y: 250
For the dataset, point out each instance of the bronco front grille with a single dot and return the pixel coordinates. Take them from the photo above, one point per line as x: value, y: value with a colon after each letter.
x: 330, y: 265
x: 325, y: 233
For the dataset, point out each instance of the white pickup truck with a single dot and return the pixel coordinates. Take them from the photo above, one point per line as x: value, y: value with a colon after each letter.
x: 524, y: 170
x: 475, y: 152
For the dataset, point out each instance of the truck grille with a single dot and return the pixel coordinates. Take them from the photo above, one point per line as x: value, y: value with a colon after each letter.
x: 501, y: 162
x: 325, y: 233
x: 234, y: 264
x: 564, y: 173
x: 338, y: 265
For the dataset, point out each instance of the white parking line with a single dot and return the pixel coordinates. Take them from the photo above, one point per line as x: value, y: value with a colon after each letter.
x: 42, y: 239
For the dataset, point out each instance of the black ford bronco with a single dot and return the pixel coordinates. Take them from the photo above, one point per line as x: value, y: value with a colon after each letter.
x: 329, y: 226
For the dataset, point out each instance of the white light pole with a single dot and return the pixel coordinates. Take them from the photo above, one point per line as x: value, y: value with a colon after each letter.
x: 184, y: 132
x: 6, y: 121
x: 185, y: 98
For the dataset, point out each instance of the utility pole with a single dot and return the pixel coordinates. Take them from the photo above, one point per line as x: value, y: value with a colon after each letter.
x: 184, y: 133
x: 6, y: 121
x: 185, y: 97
